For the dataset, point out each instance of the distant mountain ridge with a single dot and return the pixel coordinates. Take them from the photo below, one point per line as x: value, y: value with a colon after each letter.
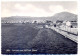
x: 59, y: 16
x: 65, y: 16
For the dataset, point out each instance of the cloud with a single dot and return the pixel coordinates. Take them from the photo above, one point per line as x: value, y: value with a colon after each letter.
x: 5, y: 12
x: 30, y: 9
x: 59, y: 8
x: 75, y: 11
x: 56, y: 9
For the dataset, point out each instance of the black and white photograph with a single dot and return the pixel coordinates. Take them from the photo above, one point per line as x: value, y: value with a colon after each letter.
x: 39, y: 27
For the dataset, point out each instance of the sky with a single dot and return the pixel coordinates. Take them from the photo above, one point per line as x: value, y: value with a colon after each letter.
x: 37, y: 8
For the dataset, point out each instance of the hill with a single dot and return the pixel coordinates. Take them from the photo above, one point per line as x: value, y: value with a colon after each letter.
x: 59, y: 16
x: 65, y: 16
